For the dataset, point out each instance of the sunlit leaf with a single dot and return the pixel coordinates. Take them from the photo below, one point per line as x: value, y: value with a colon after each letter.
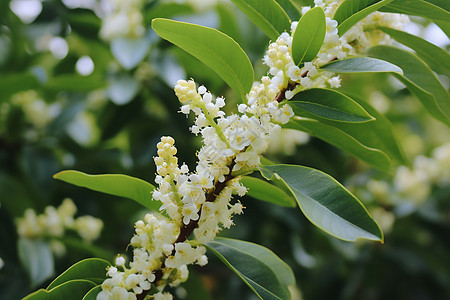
x: 113, y: 184
x: 309, y: 36
x: 213, y: 48
x: 264, y: 272
x: 268, y: 15
x: 329, y: 104
x: 326, y: 203
x: 262, y: 190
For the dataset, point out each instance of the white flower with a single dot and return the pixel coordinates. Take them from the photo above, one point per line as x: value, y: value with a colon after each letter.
x: 294, y: 73
x: 88, y: 227
x: 334, y: 82
x: 190, y: 212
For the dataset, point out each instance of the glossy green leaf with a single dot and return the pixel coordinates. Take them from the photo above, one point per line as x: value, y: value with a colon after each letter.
x: 422, y: 8
x: 92, y: 294
x: 361, y: 65
x: 92, y: 269
x: 70, y: 290
x: 36, y: 258
x: 444, y: 4
x: 268, y: 15
x: 213, y: 48
x: 326, y: 203
x: 262, y: 190
x: 113, y: 184
x: 340, y: 139
x: 437, y: 58
x: 329, y: 104
x: 419, y: 79
x: 351, y: 12
x: 264, y: 272
x: 377, y: 134
x: 350, y: 7
x: 309, y: 36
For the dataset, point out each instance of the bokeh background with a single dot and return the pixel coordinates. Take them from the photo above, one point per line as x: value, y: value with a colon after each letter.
x: 87, y: 85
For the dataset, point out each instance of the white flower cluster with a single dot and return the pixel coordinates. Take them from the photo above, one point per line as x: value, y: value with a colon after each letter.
x: 353, y: 42
x: 55, y: 221
x: 288, y: 75
x: 200, y: 202
x: 36, y: 110
x: 152, y: 242
x: 415, y: 185
x: 122, y: 19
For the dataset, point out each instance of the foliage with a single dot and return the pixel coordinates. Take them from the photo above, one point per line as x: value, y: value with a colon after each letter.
x: 81, y: 94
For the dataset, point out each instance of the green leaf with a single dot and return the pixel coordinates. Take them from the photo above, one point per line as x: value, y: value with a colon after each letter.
x: 437, y: 58
x: 421, y: 8
x: 14, y: 83
x: 92, y: 269
x: 444, y: 4
x: 113, y: 184
x: 75, y: 83
x: 264, y: 272
x: 309, y: 35
x: 339, y: 138
x: 88, y: 249
x: 71, y: 290
x: 92, y: 294
x: 262, y: 190
x: 377, y: 134
x: 329, y: 104
x: 213, y: 48
x: 351, y: 12
x: 36, y: 258
x: 268, y: 15
x: 419, y: 79
x: 168, y: 10
x: 326, y: 203
x: 361, y: 65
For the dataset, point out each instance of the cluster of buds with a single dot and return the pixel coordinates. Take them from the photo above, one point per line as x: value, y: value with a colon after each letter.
x: 55, y: 221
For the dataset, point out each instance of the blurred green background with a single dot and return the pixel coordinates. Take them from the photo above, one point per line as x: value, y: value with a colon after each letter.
x: 87, y: 85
